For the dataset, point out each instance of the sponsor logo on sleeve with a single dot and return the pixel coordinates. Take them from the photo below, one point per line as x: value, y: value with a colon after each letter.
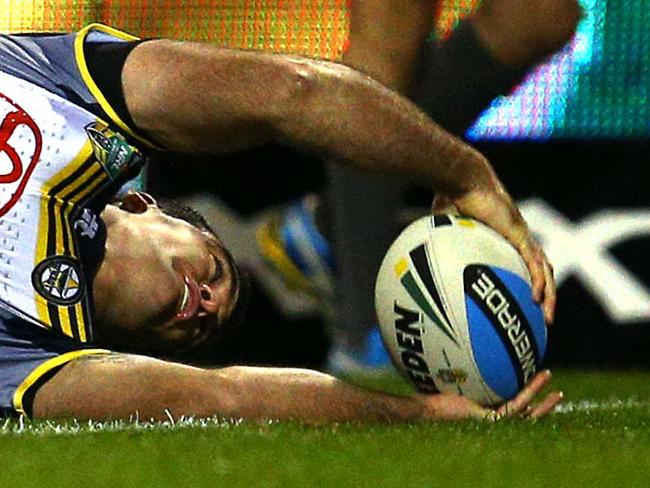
x: 112, y: 150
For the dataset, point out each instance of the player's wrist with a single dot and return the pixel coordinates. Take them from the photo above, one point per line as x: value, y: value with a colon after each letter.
x: 470, y: 177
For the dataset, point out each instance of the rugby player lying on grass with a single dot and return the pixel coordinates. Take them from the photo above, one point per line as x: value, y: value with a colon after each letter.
x: 77, y: 115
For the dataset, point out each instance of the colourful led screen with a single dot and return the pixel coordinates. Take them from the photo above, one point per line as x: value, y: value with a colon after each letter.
x: 597, y: 87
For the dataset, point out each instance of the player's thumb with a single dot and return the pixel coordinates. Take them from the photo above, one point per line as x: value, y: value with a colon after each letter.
x: 443, y: 205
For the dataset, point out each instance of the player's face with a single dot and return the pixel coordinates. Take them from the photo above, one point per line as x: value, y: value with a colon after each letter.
x: 163, y: 284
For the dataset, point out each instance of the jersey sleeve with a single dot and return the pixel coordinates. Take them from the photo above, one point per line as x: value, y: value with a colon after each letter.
x: 60, y: 64
x: 29, y: 356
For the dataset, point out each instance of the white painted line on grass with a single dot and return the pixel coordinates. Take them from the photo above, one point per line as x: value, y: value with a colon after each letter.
x: 607, y: 405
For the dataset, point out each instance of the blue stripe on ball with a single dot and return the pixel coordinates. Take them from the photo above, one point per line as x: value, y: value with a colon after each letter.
x: 490, y: 355
x: 533, y: 312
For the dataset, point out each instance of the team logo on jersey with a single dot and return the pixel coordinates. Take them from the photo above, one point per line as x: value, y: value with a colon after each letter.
x: 20, y: 149
x: 111, y: 149
x: 59, y: 280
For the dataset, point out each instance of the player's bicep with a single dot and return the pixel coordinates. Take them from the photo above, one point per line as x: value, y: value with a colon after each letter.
x: 122, y: 386
x: 197, y: 97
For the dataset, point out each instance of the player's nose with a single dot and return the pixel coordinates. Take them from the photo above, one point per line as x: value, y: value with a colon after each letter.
x: 210, y: 299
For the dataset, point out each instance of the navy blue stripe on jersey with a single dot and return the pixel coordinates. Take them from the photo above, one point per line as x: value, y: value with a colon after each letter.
x: 100, y: 179
x: 69, y: 248
x: 52, y: 195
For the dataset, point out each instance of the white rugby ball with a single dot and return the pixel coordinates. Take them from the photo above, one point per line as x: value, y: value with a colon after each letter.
x: 455, y: 310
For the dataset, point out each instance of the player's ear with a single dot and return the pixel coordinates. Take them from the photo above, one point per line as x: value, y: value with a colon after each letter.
x: 137, y: 202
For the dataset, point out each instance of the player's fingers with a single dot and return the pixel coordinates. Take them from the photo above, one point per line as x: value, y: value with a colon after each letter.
x: 519, y: 403
x: 542, y: 279
x: 550, y: 294
x: 534, y: 261
x: 547, y: 405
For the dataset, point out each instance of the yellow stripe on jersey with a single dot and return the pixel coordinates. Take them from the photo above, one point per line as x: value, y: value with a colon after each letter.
x: 59, y: 239
x: 92, y: 178
x: 46, y: 367
x: 98, y: 179
x: 66, y: 314
x: 92, y: 86
x: 44, y: 221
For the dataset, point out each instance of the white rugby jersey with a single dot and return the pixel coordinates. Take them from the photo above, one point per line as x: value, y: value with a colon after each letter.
x: 64, y: 153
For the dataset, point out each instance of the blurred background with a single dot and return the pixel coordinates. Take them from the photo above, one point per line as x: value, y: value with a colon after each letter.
x: 570, y: 142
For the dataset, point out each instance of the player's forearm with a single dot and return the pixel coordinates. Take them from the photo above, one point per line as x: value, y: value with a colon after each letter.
x: 354, y: 119
x: 310, y: 396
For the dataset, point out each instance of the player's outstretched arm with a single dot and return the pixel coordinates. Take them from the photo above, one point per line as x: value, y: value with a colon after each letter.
x: 125, y: 386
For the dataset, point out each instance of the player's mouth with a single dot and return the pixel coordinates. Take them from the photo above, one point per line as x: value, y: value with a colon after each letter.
x: 190, y: 301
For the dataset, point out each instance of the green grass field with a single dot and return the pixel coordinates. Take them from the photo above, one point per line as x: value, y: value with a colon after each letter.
x: 600, y: 437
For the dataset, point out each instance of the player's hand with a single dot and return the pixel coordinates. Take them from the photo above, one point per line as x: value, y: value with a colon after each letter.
x: 450, y: 406
x: 496, y: 209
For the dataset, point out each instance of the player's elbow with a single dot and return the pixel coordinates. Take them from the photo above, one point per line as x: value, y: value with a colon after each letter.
x: 207, y: 393
x: 312, y: 92
x: 296, y: 88
x: 223, y: 399
x: 204, y: 393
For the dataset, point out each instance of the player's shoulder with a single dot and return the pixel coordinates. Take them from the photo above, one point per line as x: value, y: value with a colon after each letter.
x: 73, y: 67
x: 55, y: 61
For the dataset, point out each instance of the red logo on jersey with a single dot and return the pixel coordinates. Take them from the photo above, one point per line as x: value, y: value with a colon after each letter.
x: 16, y: 165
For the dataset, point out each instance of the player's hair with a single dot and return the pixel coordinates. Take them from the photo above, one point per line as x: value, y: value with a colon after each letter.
x: 179, y: 210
